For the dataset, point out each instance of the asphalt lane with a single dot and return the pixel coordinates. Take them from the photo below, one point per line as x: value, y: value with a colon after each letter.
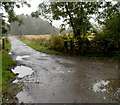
x: 61, y: 79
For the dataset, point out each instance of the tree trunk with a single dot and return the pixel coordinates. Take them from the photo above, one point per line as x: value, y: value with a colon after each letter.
x: 71, y: 22
x: 3, y: 44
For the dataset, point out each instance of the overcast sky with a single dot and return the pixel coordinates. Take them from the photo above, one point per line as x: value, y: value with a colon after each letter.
x: 33, y: 8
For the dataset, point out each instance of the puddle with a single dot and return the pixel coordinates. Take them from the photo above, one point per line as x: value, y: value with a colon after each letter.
x: 21, y: 57
x: 15, y: 81
x: 10, y: 53
x: 57, y: 68
x: 100, y: 86
x: 62, y: 72
x: 118, y: 90
x: 110, y: 86
x: 24, y: 97
x: 44, y: 55
x: 22, y: 71
x: 41, y: 59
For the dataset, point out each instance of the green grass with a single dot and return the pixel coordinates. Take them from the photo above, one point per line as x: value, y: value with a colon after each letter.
x: 42, y: 48
x: 39, y: 47
x: 6, y: 62
x: 7, y: 75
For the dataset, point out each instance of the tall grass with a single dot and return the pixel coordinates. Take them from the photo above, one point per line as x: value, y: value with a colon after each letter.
x: 45, y: 42
x: 54, y: 44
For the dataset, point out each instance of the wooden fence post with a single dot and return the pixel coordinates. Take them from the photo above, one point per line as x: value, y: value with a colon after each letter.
x: 71, y: 46
x: 66, y: 46
x: 3, y: 43
x: 80, y: 46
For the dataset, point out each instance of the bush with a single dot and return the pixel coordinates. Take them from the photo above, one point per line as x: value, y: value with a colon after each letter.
x: 56, y: 43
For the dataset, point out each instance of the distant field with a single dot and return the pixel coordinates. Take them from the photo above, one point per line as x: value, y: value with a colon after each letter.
x: 48, y: 36
x: 45, y: 37
x: 40, y: 39
x: 37, y: 36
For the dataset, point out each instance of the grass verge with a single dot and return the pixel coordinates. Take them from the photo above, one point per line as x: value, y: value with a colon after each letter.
x: 41, y: 48
x: 46, y: 49
x: 6, y: 76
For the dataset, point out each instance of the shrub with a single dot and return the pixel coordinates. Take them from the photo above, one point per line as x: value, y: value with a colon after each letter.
x: 56, y: 43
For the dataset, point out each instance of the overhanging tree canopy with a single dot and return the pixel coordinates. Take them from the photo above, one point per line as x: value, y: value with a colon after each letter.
x: 8, y: 15
x: 75, y: 14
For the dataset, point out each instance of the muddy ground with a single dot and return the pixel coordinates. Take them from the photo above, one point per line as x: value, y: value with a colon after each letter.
x: 51, y: 78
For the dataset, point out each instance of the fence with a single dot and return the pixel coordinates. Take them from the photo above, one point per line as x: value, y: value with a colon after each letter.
x: 88, y: 48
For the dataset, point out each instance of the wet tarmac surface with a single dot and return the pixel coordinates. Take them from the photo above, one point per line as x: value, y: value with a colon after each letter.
x: 58, y: 79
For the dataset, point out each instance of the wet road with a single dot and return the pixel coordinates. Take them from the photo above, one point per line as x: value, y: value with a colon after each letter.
x: 60, y: 79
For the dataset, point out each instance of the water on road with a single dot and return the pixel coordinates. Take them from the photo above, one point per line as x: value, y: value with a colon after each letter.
x: 51, y: 78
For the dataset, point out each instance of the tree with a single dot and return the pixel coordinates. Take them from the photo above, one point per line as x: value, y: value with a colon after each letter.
x: 112, y: 29
x: 34, y: 26
x: 8, y: 15
x: 110, y: 17
x: 108, y: 9
x: 76, y: 14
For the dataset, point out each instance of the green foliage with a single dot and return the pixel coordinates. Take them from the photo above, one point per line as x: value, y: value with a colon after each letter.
x: 108, y: 9
x: 74, y: 14
x: 7, y: 44
x: 56, y: 43
x: 44, y: 47
x: 8, y: 8
x: 77, y: 14
x: 111, y: 33
x: 112, y: 26
x: 7, y: 75
x: 6, y: 62
x: 47, y: 48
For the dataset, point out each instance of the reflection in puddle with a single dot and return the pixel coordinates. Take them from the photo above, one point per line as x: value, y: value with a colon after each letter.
x: 110, y: 86
x: 10, y: 53
x: 21, y: 57
x: 44, y: 55
x: 100, y: 86
x: 57, y: 68
x: 118, y: 90
x: 24, y: 97
x: 22, y: 71
x: 15, y: 81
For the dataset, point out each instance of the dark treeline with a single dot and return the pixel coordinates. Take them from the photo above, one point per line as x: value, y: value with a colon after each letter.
x: 32, y: 26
